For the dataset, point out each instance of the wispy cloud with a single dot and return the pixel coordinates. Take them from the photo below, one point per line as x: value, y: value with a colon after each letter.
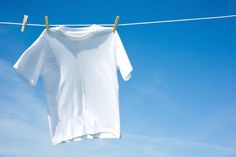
x: 24, y: 131
x: 22, y: 116
x: 172, y: 147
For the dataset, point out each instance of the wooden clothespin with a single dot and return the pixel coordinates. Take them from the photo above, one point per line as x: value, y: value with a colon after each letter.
x: 24, y: 23
x: 46, y: 23
x: 115, y: 24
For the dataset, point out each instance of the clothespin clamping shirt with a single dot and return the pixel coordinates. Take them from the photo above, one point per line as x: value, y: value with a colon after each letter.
x: 115, y: 24
x: 24, y: 23
x: 46, y: 23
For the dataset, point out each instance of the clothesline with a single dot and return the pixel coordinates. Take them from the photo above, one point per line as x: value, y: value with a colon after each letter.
x: 128, y: 24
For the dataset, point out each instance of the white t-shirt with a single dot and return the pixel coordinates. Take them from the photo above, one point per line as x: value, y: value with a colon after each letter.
x: 79, y: 71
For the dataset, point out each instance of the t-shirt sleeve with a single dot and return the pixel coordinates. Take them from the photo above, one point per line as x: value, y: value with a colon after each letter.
x: 30, y: 63
x: 122, y: 59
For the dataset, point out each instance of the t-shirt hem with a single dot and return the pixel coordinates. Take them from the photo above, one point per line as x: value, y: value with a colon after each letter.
x: 88, y: 136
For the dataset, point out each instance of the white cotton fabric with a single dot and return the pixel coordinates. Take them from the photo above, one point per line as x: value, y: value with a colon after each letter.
x: 79, y: 71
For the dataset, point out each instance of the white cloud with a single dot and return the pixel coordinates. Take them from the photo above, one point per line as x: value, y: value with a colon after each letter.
x: 24, y: 131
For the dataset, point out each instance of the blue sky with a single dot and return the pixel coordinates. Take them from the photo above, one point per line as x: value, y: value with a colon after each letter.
x: 180, y: 101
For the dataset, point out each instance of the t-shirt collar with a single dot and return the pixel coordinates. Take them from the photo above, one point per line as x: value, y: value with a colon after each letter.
x: 81, y: 33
